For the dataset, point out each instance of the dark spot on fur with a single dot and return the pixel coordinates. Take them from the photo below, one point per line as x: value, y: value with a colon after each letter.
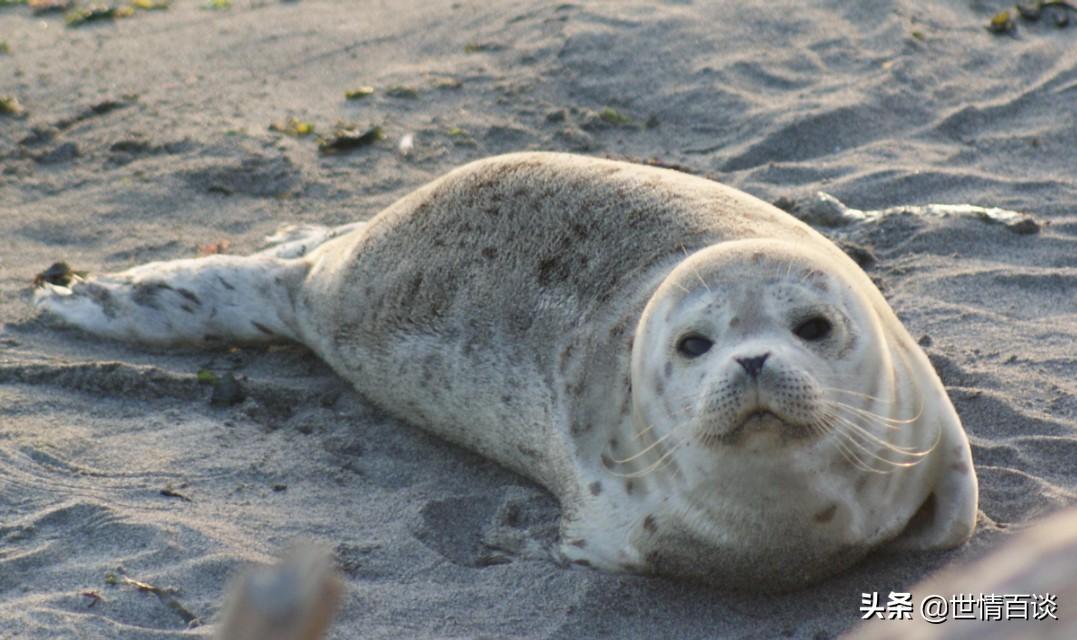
x: 261, y: 327
x: 826, y: 515
x: 103, y: 298
x: 669, y: 369
x: 734, y: 322
x: 529, y: 452
x: 613, y: 443
x: 651, y: 558
x: 629, y: 486
x: 566, y: 355
x: 580, y: 542
x: 595, y: 487
x: 659, y: 388
x: 649, y: 523
x: 187, y: 293
x: 607, y: 461
x: 580, y: 428
x: 226, y: 284
x: 188, y: 308
x: 582, y: 563
x: 489, y: 253
x: 416, y: 284
x: 144, y: 294
x: 550, y: 270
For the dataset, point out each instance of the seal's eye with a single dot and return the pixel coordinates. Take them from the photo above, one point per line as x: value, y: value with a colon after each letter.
x: 814, y: 328
x: 693, y: 345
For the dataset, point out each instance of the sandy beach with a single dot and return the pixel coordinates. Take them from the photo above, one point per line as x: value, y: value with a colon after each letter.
x: 151, y: 137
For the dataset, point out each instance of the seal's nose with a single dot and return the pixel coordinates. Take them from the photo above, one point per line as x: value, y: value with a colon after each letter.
x: 753, y: 365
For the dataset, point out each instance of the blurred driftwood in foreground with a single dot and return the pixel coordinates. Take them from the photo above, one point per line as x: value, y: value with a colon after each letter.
x: 292, y: 600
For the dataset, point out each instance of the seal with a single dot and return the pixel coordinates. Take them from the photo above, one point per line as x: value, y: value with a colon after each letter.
x: 711, y: 388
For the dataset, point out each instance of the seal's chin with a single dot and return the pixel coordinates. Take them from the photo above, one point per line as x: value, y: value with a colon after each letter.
x: 753, y: 423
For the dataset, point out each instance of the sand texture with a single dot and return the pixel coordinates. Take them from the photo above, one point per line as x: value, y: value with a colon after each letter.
x: 148, y: 137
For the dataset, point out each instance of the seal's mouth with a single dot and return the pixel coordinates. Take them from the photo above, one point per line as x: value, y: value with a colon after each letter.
x: 758, y: 420
x: 759, y: 416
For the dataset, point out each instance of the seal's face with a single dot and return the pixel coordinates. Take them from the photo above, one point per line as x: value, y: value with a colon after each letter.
x: 754, y: 352
x: 790, y: 420
x: 757, y: 375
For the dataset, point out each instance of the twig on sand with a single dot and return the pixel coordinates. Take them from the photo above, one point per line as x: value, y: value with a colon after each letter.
x: 166, y: 595
x: 93, y: 596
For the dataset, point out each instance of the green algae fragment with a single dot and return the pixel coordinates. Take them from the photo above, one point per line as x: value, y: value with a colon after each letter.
x: 614, y: 117
x: 293, y: 126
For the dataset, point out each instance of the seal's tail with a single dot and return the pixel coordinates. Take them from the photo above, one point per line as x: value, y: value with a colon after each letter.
x: 209, y: 300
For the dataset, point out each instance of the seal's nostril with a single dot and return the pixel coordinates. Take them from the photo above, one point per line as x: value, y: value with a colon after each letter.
x: 753, y: 365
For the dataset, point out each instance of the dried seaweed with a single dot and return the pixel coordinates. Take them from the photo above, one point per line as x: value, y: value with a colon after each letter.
x: 41, y: 7
x: 1059, y: 11
x: 482, y: 47
x: 217, y: 247
x: 170, y: 492
x: 347, y: 137
x: 10, y: 106
x: 1001, y: 22
x: 60, y: 274
x: 151, y: 5
x: 97, y: 13
x: 359, y: 93
x: 448, y: 83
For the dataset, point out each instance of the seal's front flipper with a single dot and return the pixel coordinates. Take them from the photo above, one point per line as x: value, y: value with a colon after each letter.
x: 947, y: 518
x: 211, y: 300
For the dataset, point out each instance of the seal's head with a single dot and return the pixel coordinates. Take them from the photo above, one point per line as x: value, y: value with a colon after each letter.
x: 797, y: 420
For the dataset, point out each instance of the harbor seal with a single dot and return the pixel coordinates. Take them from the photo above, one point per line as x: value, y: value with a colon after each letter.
x: 710, y: 387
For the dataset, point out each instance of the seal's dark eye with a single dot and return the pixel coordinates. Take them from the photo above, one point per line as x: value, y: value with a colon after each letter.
x: 693, y: 345
x: 812, y: 329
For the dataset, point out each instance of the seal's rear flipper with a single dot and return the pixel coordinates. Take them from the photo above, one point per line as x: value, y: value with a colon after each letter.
x: 297, y: 240
x: 209, y: 300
